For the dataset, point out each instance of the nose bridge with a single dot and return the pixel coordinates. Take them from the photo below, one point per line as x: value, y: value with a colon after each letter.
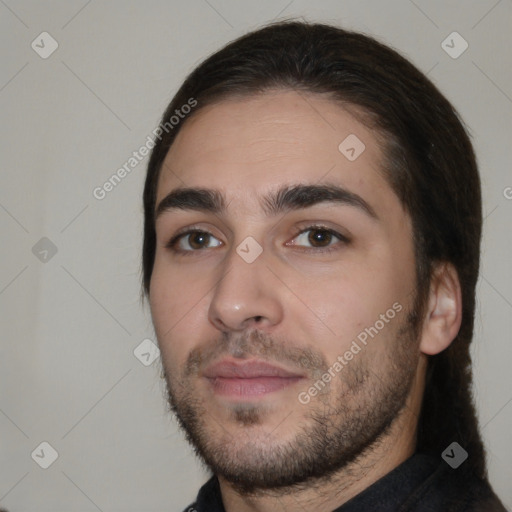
x: 245, y: 290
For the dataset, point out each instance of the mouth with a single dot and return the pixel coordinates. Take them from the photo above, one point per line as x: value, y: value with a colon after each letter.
x: 251, y: 379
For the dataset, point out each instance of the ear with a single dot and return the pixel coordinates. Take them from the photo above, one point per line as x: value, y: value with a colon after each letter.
x: 444, y: 311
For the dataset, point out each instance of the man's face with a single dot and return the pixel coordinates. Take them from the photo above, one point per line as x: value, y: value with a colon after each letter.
x: 253, y: 312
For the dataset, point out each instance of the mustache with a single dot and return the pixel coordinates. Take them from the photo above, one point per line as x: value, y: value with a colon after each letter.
x: 254, y: 343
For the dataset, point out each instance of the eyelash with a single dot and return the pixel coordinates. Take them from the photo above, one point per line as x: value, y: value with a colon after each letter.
x: 172, y: 243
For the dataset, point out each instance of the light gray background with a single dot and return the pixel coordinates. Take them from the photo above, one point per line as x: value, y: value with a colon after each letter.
x: 69, y: 325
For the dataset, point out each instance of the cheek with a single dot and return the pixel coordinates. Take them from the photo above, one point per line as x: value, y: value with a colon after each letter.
x: 347, y: 300
x: 175, y: 302
x: 174, y: 292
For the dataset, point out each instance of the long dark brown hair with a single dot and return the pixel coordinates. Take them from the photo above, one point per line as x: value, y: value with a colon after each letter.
x: 429, y: 163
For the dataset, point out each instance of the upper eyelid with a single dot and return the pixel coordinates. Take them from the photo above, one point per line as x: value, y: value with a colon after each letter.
x: 341, y: 237
x: 298, y: 231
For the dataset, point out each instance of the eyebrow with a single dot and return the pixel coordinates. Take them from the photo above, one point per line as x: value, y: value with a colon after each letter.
x: 283, y: 200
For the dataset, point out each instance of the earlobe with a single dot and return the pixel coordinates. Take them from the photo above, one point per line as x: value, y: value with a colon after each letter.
x: 443, y: 316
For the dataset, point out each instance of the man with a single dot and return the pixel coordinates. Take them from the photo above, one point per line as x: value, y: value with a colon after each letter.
x: 311, y: 249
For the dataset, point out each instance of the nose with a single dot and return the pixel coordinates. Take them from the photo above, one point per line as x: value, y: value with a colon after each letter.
x: 246, y: 296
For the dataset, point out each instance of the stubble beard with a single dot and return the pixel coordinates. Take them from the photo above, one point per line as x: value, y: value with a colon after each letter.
x: 335, y: 429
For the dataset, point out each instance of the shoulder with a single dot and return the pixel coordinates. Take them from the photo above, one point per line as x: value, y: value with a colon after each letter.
x: 453, y: 490
x: 209, y: 498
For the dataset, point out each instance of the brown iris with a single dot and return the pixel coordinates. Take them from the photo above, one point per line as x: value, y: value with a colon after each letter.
x: 321, y: 236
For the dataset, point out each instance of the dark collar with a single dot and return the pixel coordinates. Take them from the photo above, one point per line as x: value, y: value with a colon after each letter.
x: 421, y: 482
x: 403, y: 484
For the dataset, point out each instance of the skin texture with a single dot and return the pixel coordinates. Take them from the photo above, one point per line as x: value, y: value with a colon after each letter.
x: 295, y: 306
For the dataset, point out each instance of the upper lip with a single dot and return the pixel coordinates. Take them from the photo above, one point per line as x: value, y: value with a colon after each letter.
x: 246, y: 370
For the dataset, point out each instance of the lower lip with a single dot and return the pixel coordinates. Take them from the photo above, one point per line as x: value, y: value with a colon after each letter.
x: 250, y: 387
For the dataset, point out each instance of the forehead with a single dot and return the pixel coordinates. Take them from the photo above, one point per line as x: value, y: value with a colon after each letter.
x: 282, y: 137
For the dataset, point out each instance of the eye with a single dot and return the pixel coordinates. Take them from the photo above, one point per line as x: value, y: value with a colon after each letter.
x: 192, y: 240
x: 319, y: 237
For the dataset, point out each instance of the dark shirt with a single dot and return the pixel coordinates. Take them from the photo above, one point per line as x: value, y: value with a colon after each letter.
x: 421, y: 483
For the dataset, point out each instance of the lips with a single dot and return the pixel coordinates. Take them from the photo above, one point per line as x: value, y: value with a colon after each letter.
x: 248, y: 379
x: 246, y: 370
